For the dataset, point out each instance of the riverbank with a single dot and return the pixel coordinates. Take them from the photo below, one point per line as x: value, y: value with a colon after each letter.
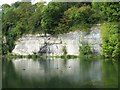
x: 35, y: 56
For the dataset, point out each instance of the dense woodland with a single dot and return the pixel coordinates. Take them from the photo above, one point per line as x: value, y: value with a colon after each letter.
x: 61, y: 17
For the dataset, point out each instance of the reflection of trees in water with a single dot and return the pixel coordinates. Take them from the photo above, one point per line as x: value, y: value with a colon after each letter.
x: 85, y: 64
x: 52, y: 73
x: 45, y: 63
x: 65, y: 63
x: 110, y: 74
x: 62, y: 73
x: 90, y: 71
x: 51, y: 64
x: 9, y: 75
x: 50, y: 68
x: 84, y: 69
x: 56, y: 72
x: 54, y: 68
x: 13, y: 78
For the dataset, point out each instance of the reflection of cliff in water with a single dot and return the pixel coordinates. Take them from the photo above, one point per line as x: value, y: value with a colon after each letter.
x: 73, y: 70
x: 58, y: 73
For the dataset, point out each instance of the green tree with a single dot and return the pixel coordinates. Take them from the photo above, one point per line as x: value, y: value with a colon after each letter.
x: 9, y: 19
x: 110, y: 10
x: 51, y: 15
x: 35, y: 19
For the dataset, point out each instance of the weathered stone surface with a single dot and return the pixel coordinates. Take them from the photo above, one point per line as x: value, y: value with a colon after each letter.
x: 30, y: 44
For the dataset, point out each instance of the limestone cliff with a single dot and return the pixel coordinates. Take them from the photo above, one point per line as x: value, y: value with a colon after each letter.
x: 30, y: 44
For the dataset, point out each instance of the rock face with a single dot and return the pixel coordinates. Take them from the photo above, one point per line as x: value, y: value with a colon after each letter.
x: 69, y: 42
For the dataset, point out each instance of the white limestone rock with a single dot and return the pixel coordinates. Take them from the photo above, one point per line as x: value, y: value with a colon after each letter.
x: 29, y: 44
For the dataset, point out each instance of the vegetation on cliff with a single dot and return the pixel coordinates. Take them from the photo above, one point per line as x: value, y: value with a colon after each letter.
x: 61, y: 17
x: 110, y: 33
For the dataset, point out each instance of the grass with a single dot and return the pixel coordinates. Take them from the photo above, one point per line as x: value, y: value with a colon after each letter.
x: 40, y: 56
x: 35, y: 56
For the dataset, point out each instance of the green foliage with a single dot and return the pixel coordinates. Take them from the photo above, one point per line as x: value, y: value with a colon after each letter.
x: 77, y: 15
x: 9, y: 19
x: 64, y: 50
x: 76, y: 18
x: 85, y: 49
x: 5, y: 6
x: 35, y: 19
x: 110, y: 34
x: 15, y: 23
x: 116, y: 52
x: 16, y: 5
x: 51, y: 15
x: 61, y: 17
x: 110, y: 10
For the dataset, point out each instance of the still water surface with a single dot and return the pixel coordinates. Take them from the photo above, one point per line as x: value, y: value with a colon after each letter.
x: 58, y: 73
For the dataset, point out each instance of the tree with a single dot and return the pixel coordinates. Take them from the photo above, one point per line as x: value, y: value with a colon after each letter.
x: 35, y: 19
x: 110, y: 10
x: 16, y: 5
x: 51, y: 15
x: 9, y: 19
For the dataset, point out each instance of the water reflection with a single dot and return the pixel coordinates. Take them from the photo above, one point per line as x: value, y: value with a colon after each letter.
x: 0, y: 74
x: 59, y: 73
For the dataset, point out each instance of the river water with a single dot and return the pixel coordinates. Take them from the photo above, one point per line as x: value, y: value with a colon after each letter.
x: 59, y: 73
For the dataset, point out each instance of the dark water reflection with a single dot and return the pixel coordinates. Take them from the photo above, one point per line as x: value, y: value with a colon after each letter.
x: 0, y: 74
x: 72, y: 73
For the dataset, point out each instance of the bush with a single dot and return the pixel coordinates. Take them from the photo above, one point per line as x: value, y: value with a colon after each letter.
x: 85, y: 49
x: 111, y: 43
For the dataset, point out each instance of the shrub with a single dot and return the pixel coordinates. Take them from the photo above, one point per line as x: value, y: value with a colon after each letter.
x: 111, y: 43
x: 85, y: 49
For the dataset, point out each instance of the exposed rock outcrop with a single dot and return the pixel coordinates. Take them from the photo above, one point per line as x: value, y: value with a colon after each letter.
x: 30, y: 44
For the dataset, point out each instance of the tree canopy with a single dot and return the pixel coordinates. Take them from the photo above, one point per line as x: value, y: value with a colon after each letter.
x: 60, y: 17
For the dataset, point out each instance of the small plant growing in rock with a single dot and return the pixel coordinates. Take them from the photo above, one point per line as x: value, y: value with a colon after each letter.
x: 85, y: 49
x: 64, y: 50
